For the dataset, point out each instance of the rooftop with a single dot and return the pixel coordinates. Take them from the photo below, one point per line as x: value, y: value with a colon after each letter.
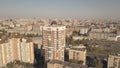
x: 14, y: 35
x: 79, y: 47
x: 54, y: 24
x: 69, y: 64
x: 114, y: 54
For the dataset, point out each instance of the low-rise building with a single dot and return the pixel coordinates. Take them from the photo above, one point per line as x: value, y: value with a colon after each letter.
x: 80, y: 37
x: 112, y: 38
x: 100, y: 35
x: 78, y: 53
x: 113, y: 61
x: 84, y: 29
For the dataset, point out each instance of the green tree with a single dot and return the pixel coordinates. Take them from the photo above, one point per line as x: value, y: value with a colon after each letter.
x: 18, y: 64
x: 97, y: 63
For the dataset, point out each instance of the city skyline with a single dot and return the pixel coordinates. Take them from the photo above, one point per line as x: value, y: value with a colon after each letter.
x: 60, y: 9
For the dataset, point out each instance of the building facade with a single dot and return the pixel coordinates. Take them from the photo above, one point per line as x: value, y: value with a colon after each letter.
x: 100, y: 35
x: 84, y: 29
x: 113, y: 61
x: 78, y: 53
x: 16, y: 48
x: 54, y: 42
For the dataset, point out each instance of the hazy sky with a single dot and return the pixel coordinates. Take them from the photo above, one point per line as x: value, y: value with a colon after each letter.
x: 60, y: 8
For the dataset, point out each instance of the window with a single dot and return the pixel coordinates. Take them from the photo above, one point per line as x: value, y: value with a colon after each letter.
x: 115, y: 62
x: 49, y: 55
x: 73, y: 55
x: 49, y: 49
x: 49, y: 32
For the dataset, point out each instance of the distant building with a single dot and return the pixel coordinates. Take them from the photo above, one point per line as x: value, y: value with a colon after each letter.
x: 100, y: 29
x: 36, y: 27
x: 54, y: 41
x: 17, y: 25
x: 84, y: 29
x: 78, y: 53
x: 106, y: 29
x: 113, y: 61
x: 96, y: 30
x: 81, y: 29
x: 80, y: 37
x: 15, y: 47
x: 118, y: 32
x: 29, y: 27
x: 117, y: 38
x: 69, y: 31
x: 100, y: 35
x: 62, y: 64
x: 112, y: 38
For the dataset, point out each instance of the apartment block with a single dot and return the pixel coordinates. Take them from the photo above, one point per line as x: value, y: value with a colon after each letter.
x: 16, y: 47
x: 78, y: 53
x: 113, y: 61
x: 54, y: 41
x: 100, y: 35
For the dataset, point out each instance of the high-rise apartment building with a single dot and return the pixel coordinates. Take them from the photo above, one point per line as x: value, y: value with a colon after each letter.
x: 15, y: 47
x: 54, y: 41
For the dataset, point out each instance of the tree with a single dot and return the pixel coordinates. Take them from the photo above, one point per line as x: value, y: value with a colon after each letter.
x: 69, y: 40
x: 18, y: 64
x: 99, y: 64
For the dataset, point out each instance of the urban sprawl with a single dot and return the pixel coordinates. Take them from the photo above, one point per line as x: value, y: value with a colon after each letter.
x: 59, y: 43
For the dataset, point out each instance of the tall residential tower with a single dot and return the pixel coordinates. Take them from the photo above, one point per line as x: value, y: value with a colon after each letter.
x: 54, y: 41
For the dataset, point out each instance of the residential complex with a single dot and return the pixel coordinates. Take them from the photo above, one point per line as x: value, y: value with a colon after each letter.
x: 15, y: 47
x: 51, y: 36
